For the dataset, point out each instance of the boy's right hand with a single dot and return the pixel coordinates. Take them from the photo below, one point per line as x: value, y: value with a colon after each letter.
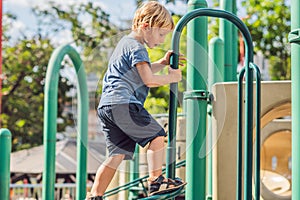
x: 175, y: 74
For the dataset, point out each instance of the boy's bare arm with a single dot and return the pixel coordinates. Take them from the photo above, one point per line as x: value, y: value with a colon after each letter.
x: 152, y: 80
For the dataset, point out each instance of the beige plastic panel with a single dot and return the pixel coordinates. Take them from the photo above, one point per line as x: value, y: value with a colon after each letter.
x: 275, y: 97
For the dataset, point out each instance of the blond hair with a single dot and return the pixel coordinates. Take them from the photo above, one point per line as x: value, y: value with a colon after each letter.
x: 154, y: 14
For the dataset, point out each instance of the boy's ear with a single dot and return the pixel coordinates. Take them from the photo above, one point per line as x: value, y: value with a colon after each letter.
x: 145, y: 25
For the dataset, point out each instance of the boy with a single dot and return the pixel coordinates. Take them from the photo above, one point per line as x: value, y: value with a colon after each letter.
x: 124, y: 120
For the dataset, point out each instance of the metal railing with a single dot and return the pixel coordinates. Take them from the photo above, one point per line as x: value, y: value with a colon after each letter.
x: 63, y: 191
x: 50, y: 126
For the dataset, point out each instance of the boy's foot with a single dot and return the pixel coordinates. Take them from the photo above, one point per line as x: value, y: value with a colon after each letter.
x: 162, y: 185
x: 90, y: 197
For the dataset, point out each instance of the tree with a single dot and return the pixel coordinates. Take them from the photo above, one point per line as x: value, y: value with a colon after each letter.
x: 91, y: 30
x: 269, y: 24
x: 24, y: 67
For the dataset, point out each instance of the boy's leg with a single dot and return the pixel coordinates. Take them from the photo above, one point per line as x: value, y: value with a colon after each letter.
x: 155, y: 155
x: 158, y: 184
x: 105, y: 173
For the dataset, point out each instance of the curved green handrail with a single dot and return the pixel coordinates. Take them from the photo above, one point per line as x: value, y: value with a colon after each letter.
x: 211, y: 13
x: 50, y: 126
x: 257, y: 130
x: 248, y: 87
x: 240, y: 135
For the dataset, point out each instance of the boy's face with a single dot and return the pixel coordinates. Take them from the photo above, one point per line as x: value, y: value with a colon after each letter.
x: 155, y: 36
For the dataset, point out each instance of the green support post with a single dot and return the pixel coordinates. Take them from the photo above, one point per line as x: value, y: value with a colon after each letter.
x: 239, y: 155
x: 216, y: 61
x: 226, y: 34
x: 134, y: 172
x: 234, y: 46
x: 50, y: 126
x: 294, y: 39
x: 215, y: 74
x: 5, y: 149
x: 197, y: 74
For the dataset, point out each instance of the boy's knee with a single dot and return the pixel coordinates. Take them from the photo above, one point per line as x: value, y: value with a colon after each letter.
x: 157, y: 143
x: 119, y: 157
x: 114, y: 161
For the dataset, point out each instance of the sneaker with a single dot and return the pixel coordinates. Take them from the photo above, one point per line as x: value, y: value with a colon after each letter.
x: 90, y: 197
x: 162, y: 185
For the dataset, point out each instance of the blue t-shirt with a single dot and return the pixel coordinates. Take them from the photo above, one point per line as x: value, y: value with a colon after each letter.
x: 122, y: 83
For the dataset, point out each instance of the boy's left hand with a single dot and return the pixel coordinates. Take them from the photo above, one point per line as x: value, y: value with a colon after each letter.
x: 166, y: 59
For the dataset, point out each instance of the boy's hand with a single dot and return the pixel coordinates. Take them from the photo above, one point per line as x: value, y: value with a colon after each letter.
x: 166, y: 59
x: 175, y: 74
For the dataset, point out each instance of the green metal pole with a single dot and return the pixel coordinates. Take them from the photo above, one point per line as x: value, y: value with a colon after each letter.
x: 239, y: 155
x: 5, y: 149
x: 234, y: 45
x: 50, y: 115
x: 82, y: 135
x: 215, y: 74
x: 294, y: 39
x: 216, y: 61
x: 209, y: 159
x: 134, y: 172
x: 258, y: 127
x: 229, y: 34
x: 226, y: 35
x: 197, y: 74
x: 202, y: 96
x: 248, y: 150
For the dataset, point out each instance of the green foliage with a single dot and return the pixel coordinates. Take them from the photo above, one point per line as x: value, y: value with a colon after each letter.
x: 90, y: 28
x: 89, y: 24
x: 24, y: 68
x: 277, y: 71
x: 269, y: 24
x: 25, y: 65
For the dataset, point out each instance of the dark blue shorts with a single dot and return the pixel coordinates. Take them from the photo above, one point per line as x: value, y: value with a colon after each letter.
x: 125, y: 125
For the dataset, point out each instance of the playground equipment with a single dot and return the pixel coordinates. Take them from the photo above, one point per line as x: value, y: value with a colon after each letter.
x: 196, y: 113
x: 294, y: 39
x: 197, y: 98
x: 276, y: 158
x: 5, y: 149
x: 274, y: 105
x: 50, y: 115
